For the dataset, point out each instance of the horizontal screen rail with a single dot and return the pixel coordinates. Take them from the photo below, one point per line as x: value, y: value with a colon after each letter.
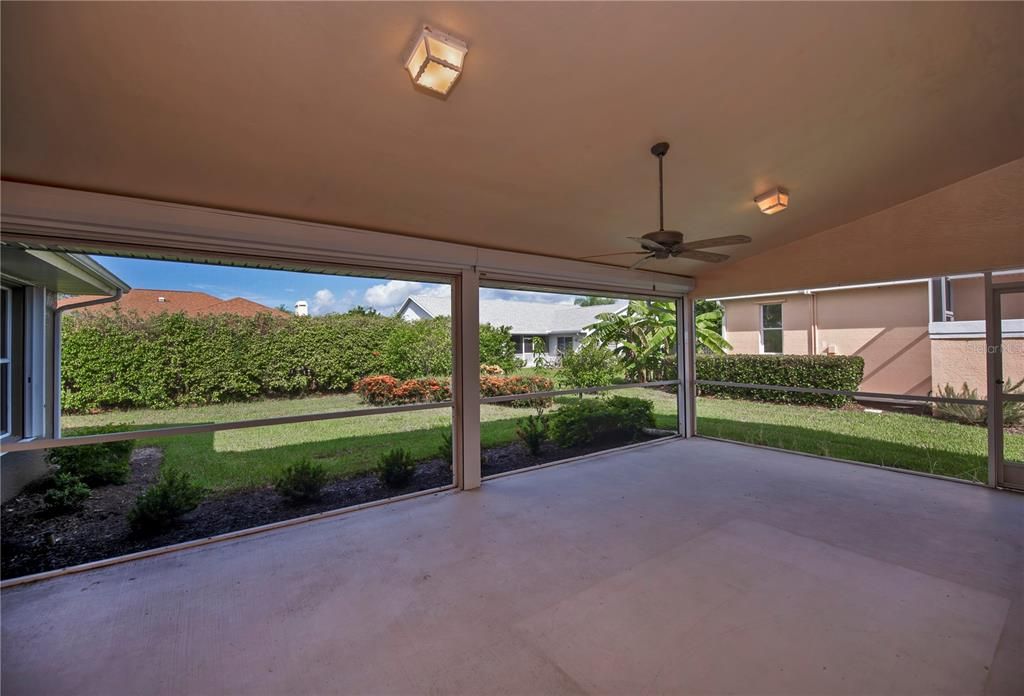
x: 574, y: 392
x: 99, y: 438
x: 839, y: 392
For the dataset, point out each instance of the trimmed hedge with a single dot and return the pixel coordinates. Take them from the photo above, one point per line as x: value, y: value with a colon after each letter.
x: 841, y: 372
x: 120, y: 360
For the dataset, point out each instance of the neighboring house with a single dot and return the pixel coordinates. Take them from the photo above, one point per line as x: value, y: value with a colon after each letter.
x: 148, y: 303
x: 30, y: 355
x: 561, y: 327
x: 915, y: 336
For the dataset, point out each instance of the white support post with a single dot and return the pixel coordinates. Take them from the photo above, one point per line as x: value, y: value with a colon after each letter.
x: 466, y: 325
x: 994, y: 369
x: 685, y: 359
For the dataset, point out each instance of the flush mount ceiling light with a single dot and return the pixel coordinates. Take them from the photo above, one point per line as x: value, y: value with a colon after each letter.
x: 775, y: 201
x: 435, y: 60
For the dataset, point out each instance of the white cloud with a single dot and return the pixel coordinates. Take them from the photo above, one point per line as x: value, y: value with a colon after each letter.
x: 325, y: 302
x: 526, y: 296
x: 387, y: 297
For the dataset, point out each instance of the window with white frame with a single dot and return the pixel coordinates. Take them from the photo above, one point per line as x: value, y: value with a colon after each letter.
x: 565, y: 345
x: 771, y: 328
x: 6, y: 378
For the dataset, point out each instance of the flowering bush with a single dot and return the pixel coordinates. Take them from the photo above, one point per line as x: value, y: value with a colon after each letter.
x: 492, y: 370
x: 517, y: 384
x: 385, y: 390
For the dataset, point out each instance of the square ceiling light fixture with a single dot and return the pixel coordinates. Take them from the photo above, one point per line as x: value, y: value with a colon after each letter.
x: 775, y: 201
x: 435, y: 61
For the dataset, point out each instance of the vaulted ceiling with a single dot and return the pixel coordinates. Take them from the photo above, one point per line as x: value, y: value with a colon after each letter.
x: 303, y: 110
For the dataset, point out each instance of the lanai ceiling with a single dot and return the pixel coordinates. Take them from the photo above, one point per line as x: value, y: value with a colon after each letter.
x: 303, y: 110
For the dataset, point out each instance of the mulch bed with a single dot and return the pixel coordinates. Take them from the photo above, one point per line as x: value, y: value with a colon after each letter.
x: 35, y: 540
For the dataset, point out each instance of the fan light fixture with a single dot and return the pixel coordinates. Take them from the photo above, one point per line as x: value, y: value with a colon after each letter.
x: 775, y: 201
x: 435, y: 60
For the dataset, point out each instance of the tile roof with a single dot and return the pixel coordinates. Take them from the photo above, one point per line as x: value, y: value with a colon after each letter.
x: 152, y: 302
x: 532, y: 318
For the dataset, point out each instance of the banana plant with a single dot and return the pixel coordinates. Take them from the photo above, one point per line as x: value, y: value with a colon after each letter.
x: 643, y: 337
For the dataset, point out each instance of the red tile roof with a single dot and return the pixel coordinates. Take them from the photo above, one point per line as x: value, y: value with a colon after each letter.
x: 152, y: 302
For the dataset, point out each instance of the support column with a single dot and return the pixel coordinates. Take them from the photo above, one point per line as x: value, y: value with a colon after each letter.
x: 685, y: 359
x: 994, y: 380
x: 466, y: 378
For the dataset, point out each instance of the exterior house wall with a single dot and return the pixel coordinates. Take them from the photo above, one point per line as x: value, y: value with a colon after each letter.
x: 34, y: 409
x: 887, y: 326
x: 742, y: 323
x: 962, y: 361
x: 969, y: 298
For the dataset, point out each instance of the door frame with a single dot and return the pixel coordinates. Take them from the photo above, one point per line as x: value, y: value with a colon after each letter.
x: 994, y: 378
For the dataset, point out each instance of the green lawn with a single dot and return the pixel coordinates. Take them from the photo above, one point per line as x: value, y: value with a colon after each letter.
x: 249, y: 457
x: 897, y: 440
x: 253, y: 456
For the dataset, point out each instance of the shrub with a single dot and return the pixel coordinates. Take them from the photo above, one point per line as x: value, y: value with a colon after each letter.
x: 164, y: 502
x: 840, y: 372
x: 445, y: 450
x: 96, y: 465
x: 492, y: 370
x: 498, y: 348
x: 385, y: 390
x: 592, y: 365
x: 617, y: 418
x: 302, y: 481
x: 977, y: 414
x: 517, y: 384
x: 396, y: 468
x: 68, y: 492
x: 531, y: 431
x: 122, y: 360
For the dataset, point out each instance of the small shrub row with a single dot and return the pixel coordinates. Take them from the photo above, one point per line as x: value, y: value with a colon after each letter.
x: 532, y: 432
x: 615, y: 418
x: 517, y: 384
x: 95, y: 465
x: 163, y: 503
x: 68, y: 493
x: 301, y: 482
x: 397, y: 468
x: 840, y: 372
x: 385, y: 390
x: 977, y: 414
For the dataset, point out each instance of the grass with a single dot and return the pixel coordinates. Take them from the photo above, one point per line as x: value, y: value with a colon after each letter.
x: 251, y: 457
x: 904, y: 441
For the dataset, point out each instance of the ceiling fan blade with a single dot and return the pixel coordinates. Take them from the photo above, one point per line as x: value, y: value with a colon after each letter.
x: 648, y: 244
x: 614, y: 253
x: 641, y: 260
x: 708, y: 256
x: 716, y: 241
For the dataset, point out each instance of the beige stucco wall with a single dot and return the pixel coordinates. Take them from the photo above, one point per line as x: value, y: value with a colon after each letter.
x: 969, y: 298
x: 742, y: 323
x: 886, y: 326
x: 956, y: 361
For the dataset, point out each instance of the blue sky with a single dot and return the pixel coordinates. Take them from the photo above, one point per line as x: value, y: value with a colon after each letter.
x: 324, y: 293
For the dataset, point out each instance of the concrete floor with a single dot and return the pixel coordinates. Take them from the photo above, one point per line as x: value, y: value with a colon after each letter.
x: 685, y: 567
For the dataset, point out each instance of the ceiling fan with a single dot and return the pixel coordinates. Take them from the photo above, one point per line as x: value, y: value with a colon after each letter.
x: 664, y: 243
